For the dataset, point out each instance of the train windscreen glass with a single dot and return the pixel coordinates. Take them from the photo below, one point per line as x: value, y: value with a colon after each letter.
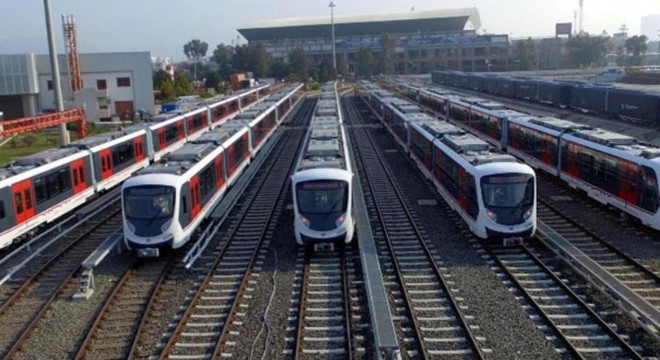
x: 322, y: 197
x: 149, y: 202
x: 508, y: 198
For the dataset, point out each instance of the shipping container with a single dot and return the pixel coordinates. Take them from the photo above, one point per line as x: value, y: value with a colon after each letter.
x: 634, y: 104
x: 589, y: 98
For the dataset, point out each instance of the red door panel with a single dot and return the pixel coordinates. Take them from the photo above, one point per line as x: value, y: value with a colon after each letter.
x: 194, y: 196
x: 179, y: 129
x: 23, y: 201
x: 161, y: 138
x: 106, y: 163
x: 137, y: 147
x: 78, y: 176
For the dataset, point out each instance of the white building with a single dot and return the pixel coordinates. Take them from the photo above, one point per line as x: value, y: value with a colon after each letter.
x: 651, y: 27
x: 114, y: 84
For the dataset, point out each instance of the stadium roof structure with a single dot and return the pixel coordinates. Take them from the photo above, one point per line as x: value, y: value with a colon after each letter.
x: 450, y: 20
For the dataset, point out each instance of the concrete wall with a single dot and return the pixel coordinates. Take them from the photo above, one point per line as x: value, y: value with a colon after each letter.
x: 108, y: 66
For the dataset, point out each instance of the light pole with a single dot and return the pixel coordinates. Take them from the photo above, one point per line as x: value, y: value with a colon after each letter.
x: 57, y: 85
x: 332, y: 23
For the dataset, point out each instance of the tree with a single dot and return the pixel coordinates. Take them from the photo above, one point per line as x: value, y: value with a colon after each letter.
x: 195, y: 50
x: 386, y: 58
x: 29, y: 139
x: 223, y: 55
x: 365, y: 62
x: 342, y: 67
x: 167, y: 91
x: 159, y: 77
x: 212, y: 80
x: 279, y: 69
x: 526, y: 54
x: 325, y: 71
x: 251, y: 58
x: 299, y: 64
x: 588, y: 51
x: 182, y: 85
x: 636, y: 46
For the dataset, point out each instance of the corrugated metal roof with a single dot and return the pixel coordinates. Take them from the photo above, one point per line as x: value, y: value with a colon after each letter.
x: 442, y: 20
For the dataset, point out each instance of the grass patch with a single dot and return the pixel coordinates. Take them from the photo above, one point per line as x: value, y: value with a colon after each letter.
x: 17, y: 148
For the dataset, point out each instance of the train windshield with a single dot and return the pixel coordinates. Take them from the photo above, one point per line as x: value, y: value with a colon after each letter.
x: 149, y: 202
x: 508, y: 191
x: 322, y: 197
x: 508, y: 198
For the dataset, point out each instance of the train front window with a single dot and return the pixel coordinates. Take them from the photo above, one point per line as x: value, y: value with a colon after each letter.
x: 322, y: 197
x: 508, y: 191
x: 149, y: 202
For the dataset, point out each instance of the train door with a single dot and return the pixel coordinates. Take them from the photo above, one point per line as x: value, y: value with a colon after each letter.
x: 628, y: 179
x: 138, y: 149
x: 23, y: 201
x: 162, y: 141
x: 463, y: 188
x: 194, y: 197
x: 179, y: 129
x: 231, y: 160
x: 219, y: 172
x: 106, y: 163
x: 78, y: 176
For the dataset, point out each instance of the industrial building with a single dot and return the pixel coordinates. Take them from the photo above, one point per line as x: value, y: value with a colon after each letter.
x: 113, y: 85
x: 422, y: 41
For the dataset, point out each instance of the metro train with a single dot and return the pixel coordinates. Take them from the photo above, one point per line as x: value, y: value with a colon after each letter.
x: 164, y: 203
x: 322, y: 183
x: 42, y: 187
x: 494, y: 194
x: 587, y: 97
x: 612, y: 168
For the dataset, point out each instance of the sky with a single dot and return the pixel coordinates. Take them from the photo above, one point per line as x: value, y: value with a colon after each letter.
x: 163, y: 26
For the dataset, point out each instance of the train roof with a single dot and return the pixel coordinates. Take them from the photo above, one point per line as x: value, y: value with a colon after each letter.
x: 621, y: 142
x: 324, y: 147
x: 35, y: 160
x: 474, y: 150
x: 181, y: 160
x: 557, y: 124
x: 96, y: 140
x: 216, y: 136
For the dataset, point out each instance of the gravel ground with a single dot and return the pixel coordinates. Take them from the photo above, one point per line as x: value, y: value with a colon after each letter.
x: 640, y: 244
x: 489, y: 301
x: 65, y: 325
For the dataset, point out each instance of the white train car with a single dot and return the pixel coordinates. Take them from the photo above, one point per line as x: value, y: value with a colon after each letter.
x: 322, y: 182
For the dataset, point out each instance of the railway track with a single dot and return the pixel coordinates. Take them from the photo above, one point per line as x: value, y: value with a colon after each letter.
x: 124, y: 314
x: 29, y: 295
x: 427, y: 313
x: 631, y: 273
x: 579, y: 329
x: 205, y: 329
x: 324, y: 310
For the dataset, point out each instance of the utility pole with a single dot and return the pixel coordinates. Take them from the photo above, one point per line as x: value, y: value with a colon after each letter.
x: 57, y: 85
x: 332, y: 22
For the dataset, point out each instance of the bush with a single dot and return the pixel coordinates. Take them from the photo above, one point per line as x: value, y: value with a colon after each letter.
x: 29, y: 139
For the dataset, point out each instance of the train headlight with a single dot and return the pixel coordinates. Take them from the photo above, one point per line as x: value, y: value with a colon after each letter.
x: 527, y: 214
x: 492, y: 215
x: 304, y: 220
x: 340, y: 220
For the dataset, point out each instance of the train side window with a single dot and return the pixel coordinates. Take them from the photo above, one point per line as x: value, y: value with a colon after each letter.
x: 184, y: 204
x: 18, y: 199
x: 28, y: 199
x: 41, y: 194
x: 2, y: 210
